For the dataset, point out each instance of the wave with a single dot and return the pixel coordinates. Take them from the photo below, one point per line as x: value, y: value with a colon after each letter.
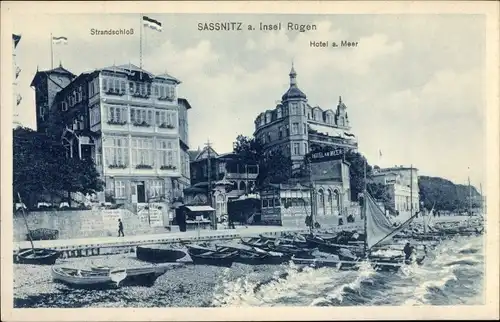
x: 452, y: 274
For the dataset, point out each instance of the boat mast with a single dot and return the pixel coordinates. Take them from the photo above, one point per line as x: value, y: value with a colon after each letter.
x: 313, y: 198
x: 26, y: 223
x: 363, y: 211
x: 411, y: 191
x: 470, y: 197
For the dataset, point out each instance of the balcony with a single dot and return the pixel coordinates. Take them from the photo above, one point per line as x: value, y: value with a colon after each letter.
x: 325, y: 139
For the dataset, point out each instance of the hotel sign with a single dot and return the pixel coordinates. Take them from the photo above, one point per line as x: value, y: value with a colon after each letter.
x: 336, y: 154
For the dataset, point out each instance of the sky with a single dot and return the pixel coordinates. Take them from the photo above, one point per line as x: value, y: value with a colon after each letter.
x: 414, y: 86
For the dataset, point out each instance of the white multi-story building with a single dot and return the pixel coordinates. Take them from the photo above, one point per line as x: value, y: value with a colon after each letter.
x: 402, y: 186
x: 129, y: 121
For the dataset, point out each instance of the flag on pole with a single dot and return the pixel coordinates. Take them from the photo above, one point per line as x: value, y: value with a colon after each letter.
x: 151, y: 23
x: 16, y: 39
x: 59, y: 40
x: 380, y: 153
x: 18, y: 71
x: 19, y: 99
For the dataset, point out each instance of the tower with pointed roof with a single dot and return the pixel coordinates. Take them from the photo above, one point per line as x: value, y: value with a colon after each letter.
x: 46, y: 85
x: 295, y: 128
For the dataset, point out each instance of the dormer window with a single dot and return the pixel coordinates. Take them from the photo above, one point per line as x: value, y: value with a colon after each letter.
x: 278, y: 111
x: 268, y: 118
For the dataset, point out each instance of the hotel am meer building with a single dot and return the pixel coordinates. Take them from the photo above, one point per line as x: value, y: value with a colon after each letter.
x: 129, y: 121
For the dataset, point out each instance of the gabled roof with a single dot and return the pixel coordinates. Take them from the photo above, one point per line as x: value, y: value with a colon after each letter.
x: 58, y: 70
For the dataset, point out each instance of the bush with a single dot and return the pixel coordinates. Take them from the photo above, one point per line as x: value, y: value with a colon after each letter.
x: 43, y: 234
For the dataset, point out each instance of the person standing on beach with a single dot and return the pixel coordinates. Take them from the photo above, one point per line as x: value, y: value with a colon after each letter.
x: 120, y: 228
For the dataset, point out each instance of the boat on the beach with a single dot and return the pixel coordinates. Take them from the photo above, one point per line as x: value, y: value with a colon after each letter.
x: 287, y: 238
x: 159, y: 253
x: 202, y: 255
x: 256, y: 242
x: 255, y: 256
x: 107, y: 277
x: 35, y: 256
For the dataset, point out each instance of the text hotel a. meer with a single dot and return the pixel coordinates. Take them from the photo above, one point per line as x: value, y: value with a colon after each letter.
x: 240, y: 26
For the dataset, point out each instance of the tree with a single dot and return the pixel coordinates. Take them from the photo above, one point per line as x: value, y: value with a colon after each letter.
x: 357, y: 164
x: 443, y: 194
x: 273, y: 168
x: 40, y: 166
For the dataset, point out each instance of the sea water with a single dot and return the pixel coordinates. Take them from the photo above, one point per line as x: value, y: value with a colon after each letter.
x: 453, y: 273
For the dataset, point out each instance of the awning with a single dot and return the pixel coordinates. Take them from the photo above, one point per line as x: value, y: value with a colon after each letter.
x: 330, y: 131
x: 200, y: 208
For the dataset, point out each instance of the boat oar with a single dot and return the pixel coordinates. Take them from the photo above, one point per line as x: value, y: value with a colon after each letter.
x: 118, y: 275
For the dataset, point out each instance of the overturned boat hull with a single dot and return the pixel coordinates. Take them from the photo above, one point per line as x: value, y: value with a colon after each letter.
x: 40, y: 256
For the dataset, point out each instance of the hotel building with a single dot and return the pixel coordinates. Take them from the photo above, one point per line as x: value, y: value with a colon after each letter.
x: 295, y: 127
x: 130, y: 122
x: 402, y: 185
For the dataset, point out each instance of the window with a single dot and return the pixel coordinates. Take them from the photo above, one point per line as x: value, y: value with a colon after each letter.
x: 104, y: 84
x: 293, y: 108
x: 278, y: 111
x: 295, y: 128
x: 116, y: 151
x: 305, y: 128
x: 296, y: 149
x: 162, y: 91
x: 141, y: 115
x: 264, y: 203
x: 166, y: 118
x: 148, y: 89
x: 305, y: 148
x: 117, y: 114
x: 156, y: 90
x: 268, y: 137
x: 78, y: 94
x: 280, y: 133
x: 156, y: 188
x: 119, y: 189
x: 123, y: 87
x: 167, y: 153
x: 91, y: 88
x: 287, y: 130
x: 131, y: 87
x: 268, y: 117
x: 171, y: 92
x: 142, y: 151
x: 64, y: 106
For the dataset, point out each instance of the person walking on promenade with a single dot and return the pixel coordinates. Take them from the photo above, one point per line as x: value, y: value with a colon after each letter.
x: 120, y: 228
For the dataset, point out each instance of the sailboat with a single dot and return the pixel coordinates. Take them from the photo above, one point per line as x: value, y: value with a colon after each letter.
x: 37, y: 256
x: 379, y: 232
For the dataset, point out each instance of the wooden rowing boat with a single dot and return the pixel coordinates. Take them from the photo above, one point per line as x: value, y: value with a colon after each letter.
x: 201, y: 255
x: 255, y: 256
x: 37, y: 256
x: 384, y: 265
x: 159, y: 253
x: 106, y: 277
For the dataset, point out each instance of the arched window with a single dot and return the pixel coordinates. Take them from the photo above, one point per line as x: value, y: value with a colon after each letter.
x: 336, y: 199
x: 321, y: 198
x: 243, y: 186
x: 220, y: 205
x: 330, y: 200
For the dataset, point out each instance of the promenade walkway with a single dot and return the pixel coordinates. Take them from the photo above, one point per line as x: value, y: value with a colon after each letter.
x: 172, y: 237
x: 192, y: 236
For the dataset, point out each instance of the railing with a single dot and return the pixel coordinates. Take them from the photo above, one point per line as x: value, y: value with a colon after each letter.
x: 334, y: 140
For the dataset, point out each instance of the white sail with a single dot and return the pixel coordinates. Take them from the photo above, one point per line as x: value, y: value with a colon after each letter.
x: 377, y: 224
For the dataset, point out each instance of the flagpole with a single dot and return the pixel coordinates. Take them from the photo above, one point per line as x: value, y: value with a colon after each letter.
x: 140, y: 38
x: 51, y: 52
x: 363, y: 210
